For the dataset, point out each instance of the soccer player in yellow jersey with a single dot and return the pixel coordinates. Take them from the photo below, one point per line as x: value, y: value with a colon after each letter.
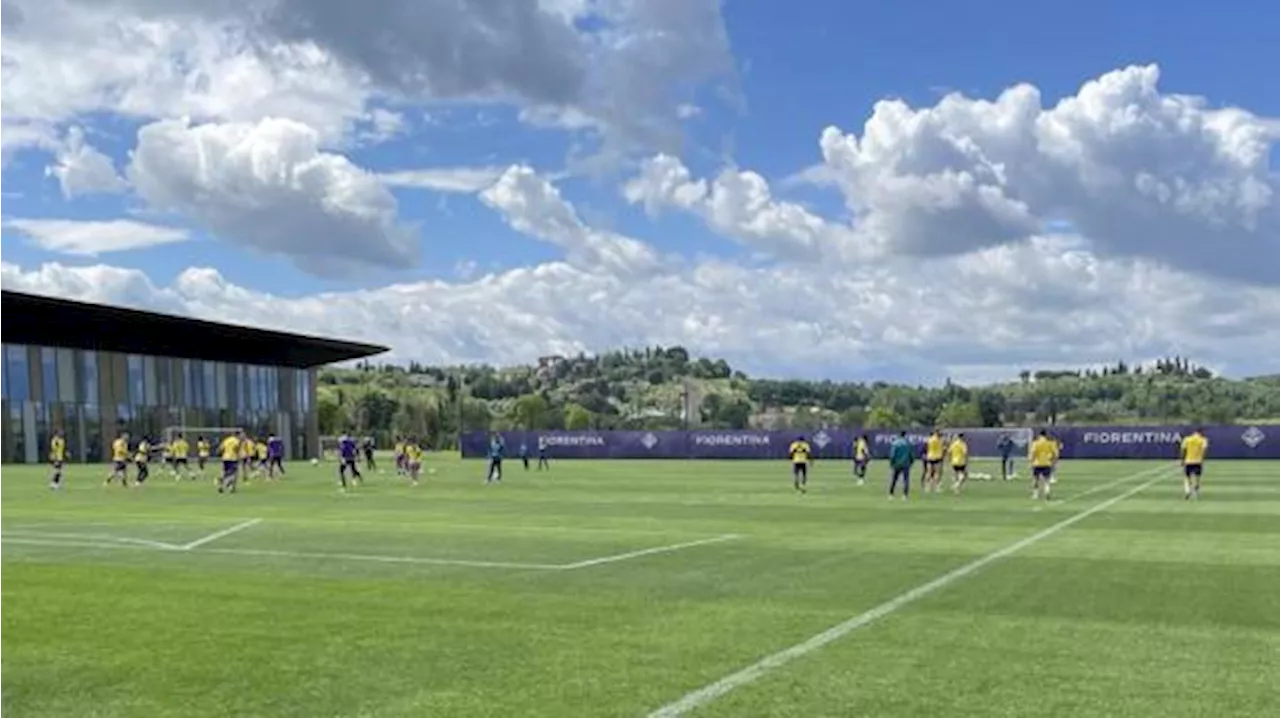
x: 959, y: 452
x: 57, y: 457
x: 247, y: 452
x: 412, y: 460
x: 1194, y: 448
x: 142, y: 460
x: 801, y: 454
x: 934, y: 448
x: 229, y: 449
x: 179, y: 450
x: 1043, y: 455
x: 402, y: 464
x: 202, y: 453
x: 119, y: 460
x: 261, y: 449
x: 861, y: 457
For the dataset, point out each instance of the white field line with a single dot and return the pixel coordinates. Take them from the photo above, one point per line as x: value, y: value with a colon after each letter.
x: 219, y: 534
x: 1102, y: 487
x: 647, y: 552
x: 17, y: 535
x: 710, y: 692
x: 101, y: 541
x: 384, y: 559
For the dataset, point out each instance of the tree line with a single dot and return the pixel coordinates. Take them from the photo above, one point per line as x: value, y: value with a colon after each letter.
x: 658, y: 388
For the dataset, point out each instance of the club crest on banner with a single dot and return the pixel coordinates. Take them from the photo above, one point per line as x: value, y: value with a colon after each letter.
x: 649, y: 441
x: 1252, y: 437
x: 821, y: 439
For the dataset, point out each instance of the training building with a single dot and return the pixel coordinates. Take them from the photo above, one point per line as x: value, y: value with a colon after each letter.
x: 94, y: 370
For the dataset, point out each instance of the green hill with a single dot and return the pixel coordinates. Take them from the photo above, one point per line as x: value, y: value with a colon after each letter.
x: 650, y: 388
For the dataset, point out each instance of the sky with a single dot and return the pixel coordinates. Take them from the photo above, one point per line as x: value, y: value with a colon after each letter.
x: 902, y: 192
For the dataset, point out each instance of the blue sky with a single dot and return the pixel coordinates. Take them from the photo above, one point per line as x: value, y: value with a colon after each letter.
x: 659, y: 172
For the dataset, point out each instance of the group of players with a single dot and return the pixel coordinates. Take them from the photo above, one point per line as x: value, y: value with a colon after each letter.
x: 1043, y: 453
x: 242, y: 457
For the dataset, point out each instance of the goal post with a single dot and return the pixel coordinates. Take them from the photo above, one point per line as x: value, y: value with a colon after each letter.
x: 212, y: 434
x: 984, y: 447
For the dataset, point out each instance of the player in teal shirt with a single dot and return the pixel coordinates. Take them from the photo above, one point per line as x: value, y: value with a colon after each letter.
x: 901, y: 456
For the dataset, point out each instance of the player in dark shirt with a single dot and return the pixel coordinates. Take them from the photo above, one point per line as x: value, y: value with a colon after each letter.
x: 367, y: 447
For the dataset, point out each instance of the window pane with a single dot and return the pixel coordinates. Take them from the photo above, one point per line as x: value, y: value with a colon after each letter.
x: 163, y: 365
x: 150, y: 396
x: 209, y: 397
x: 89, y: 376
x: 220, y: 371
x: 92, y: 434
x: 184, y: 368
x: 137, y: 382
x: 48, y: 374
x: 67, y: 376
x: 19, y: 374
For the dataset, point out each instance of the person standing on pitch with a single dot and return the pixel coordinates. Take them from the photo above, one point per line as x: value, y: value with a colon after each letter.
x: 524, y: 454
x: 1005, y: 446
x: 901, y: 456
x: 542, y: 454
x: 1193, y: 450
x: 861, y: 457
x: 496, y: 450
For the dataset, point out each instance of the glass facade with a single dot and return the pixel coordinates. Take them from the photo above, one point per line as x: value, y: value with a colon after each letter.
x: 92, y: 396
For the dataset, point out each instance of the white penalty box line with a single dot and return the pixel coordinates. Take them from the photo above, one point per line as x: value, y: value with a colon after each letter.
x: 102, y: 541
x: 712, y: 691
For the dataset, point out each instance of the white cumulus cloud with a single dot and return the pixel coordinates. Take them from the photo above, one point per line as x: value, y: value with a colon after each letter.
x: 268, y: 186
x: 81, y: 169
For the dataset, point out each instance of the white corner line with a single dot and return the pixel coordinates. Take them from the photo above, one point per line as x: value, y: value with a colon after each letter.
x: 710, y: 692
x: 219, y: 534
x: 647, y: 552
x: 86, y: 540
x: 380, y: 559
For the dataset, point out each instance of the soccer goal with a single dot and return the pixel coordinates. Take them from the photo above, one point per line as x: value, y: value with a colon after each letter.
x: 984, y: 448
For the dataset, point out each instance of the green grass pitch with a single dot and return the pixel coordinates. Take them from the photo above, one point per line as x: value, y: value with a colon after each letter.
x: 618, y: 588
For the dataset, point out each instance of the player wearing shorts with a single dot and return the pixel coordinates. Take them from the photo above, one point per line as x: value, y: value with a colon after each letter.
x: 959, y: 452
x: 275, y: 456
x: 203, y: 450
x: 801, y: 455
x: 119, y: 460
x: 1043, y: 454
x: 412, y: 460
x: 1194, y: 448
x: 402, y: 459
x: 347, y: 461
x: 179, y: 450
x: 57, y: 457
x: 934, y: 448
x: 232, y: 461
x: 262, y: 458
x: 142, y: 461
x: 861, y: 458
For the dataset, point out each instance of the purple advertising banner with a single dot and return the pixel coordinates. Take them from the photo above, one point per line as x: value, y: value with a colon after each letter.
x: 1080, y: 442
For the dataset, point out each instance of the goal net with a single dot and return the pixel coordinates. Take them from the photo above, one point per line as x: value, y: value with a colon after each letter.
x: 984, y: 447
x: 212, y: 434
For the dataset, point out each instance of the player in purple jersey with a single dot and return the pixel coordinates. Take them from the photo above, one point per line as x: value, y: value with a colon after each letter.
x: 347, y: 460
x: 275, y: 456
